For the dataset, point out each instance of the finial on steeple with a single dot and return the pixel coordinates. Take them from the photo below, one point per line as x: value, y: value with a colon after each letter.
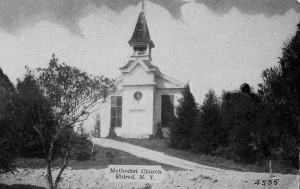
x: 143, y: 5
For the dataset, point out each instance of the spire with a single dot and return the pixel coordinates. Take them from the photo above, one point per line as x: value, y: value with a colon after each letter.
x: 141, y: 33
x: 143, y: 5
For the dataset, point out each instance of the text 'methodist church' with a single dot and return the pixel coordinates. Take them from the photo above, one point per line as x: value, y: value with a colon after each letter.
x: 144, y: 95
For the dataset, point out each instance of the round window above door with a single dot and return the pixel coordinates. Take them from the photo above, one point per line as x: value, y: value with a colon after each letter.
x: 138, y: 95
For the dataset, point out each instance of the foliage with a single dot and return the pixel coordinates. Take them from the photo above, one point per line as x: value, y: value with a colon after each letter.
x: 245, y: 88
x: 280, y: 91
x: 289, y: 94
x: 208, y: 134
x: 159, y: 132
x: 186, y: 112
x: 7, y: 92
x: 81, y: 145
x: 239, y: 111
x: 7, y: 144
x: 72, y: 96
x: 30, y: 109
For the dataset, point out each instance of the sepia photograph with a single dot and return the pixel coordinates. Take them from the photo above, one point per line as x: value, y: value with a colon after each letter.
x: 149, y: 94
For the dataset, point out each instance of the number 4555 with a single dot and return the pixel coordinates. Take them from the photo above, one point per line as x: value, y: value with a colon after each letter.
x: 267, y: 182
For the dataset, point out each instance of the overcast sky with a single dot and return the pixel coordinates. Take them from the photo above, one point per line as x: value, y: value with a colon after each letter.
x: 213, y: 44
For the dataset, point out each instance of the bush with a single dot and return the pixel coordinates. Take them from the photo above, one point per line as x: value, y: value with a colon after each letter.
x: 225, y: 152
x: 81, y: 145
x: 159, y: 133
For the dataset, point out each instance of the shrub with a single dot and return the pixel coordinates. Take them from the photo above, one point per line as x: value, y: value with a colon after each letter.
x: 159, y: 133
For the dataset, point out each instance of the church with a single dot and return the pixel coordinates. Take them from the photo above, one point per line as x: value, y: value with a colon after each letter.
x: 144, y: 97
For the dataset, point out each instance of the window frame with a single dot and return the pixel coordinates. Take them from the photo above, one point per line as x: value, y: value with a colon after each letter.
x: 170, y: 99
x: 116, y: 111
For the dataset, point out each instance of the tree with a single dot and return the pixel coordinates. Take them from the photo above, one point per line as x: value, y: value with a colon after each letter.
x: 180, y: 133
x: 31, y: 108
x: 7, y: 91
x: 290, y: 78
x: 280, y: 91
x: 7, y: 144
x: 208, y: 134
x: 72, y: 95
x: 245, y: 88
x: 239, y: 113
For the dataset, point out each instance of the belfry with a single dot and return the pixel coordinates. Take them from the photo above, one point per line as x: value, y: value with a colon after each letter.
x: 140, y: 40
x: 145, y: 98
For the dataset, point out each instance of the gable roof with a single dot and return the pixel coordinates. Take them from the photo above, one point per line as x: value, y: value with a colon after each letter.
x: 170, y: 79
x: 141, y: 33
x: 130, y: 65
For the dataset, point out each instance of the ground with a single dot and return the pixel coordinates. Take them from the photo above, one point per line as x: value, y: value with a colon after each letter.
x: 208, y: 160
x: 180, y: 173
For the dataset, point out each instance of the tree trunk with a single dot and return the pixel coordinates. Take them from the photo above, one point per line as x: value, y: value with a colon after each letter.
x: 270, y: 166
x: 49, y: 176
x: 48, y: 160
x: 63, y: 167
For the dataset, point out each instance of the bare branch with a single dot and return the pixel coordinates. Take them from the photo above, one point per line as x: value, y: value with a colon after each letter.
x: 41, y: 137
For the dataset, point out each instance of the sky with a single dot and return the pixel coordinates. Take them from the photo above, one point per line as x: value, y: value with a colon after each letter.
x: 210, y: 44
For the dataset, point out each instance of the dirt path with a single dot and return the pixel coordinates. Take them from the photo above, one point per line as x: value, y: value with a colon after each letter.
x: 151, y: 154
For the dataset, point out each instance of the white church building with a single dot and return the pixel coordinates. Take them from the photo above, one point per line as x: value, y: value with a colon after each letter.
x: 144, y: 95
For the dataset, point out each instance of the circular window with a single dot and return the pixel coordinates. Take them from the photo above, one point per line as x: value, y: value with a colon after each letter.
x: 138, y: 95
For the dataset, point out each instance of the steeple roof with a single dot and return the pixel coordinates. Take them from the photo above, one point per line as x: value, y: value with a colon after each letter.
x: 141, y: 33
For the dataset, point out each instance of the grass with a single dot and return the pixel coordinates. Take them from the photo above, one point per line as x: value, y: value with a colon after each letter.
x: 213, y: 161
x: 20, y: 186
x: 102, y: 158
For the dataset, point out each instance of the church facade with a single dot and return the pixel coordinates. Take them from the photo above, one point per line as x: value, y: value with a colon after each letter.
x: 144, y: 96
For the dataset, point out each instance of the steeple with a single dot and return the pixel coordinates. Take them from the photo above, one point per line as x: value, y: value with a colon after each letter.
x: 143, y: 5
x: 140, y: 40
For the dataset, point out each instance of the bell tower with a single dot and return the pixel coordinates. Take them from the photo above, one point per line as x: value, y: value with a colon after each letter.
x: 140, y: 40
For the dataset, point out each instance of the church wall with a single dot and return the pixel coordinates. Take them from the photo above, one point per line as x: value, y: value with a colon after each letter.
x: 137, y: 115
x: 138, y: 76
x: 105, y: 118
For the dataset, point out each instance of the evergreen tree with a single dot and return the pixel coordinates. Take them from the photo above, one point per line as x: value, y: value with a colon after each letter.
x: 181, y: 132
x: 7, y: 91
x: 32, y: 108
x: 208, y: 134
x: 7, y: 140
x: 280, y: 92
x: 239, y: 113
x: 290, y: 78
